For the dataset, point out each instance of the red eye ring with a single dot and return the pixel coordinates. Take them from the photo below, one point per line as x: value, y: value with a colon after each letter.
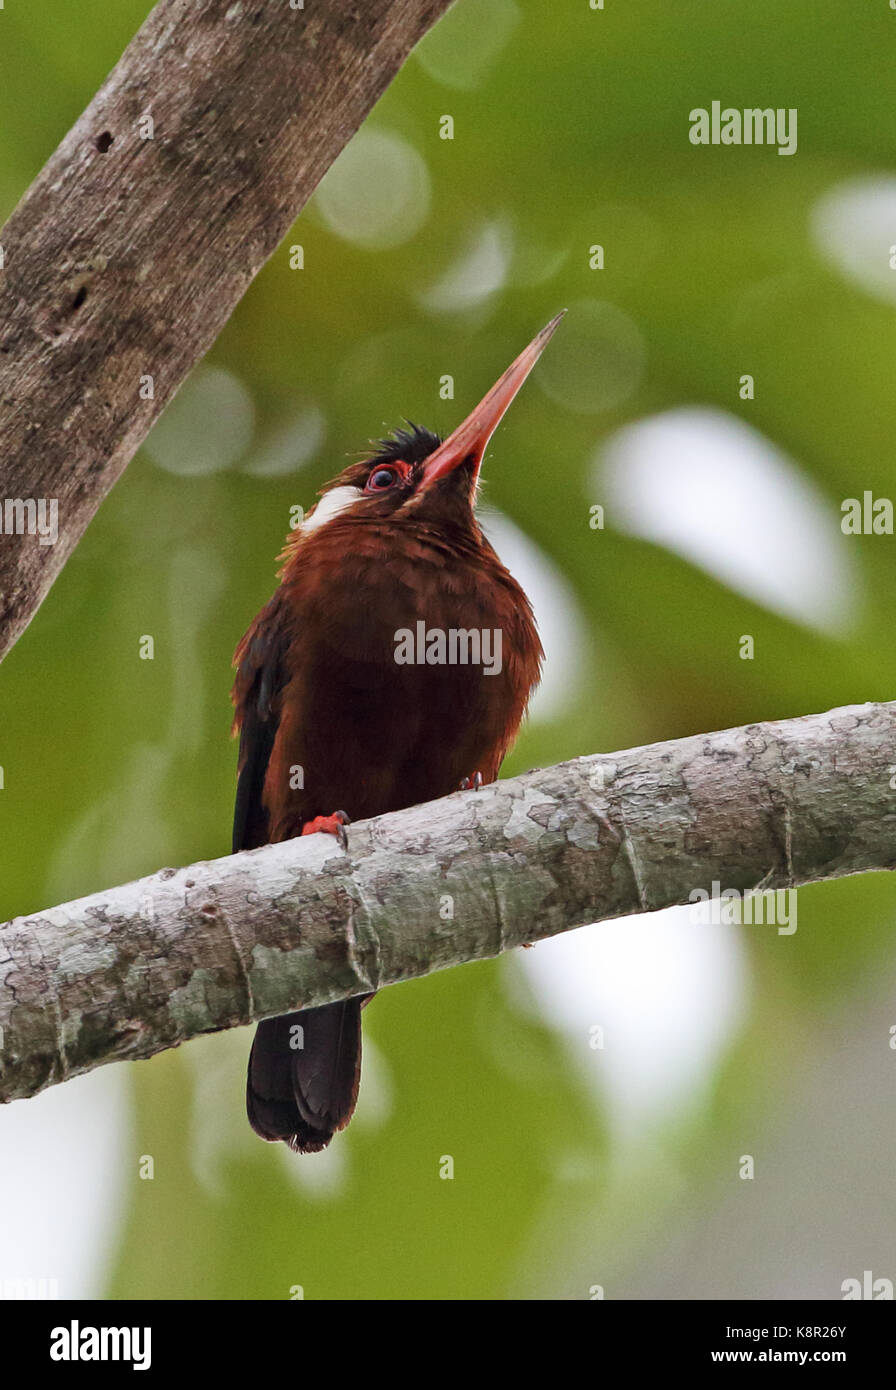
x: 385, y: 473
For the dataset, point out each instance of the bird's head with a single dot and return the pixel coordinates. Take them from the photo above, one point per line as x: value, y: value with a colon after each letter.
x: 415, y: 474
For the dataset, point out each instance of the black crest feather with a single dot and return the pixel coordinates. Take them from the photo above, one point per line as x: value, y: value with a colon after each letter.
x: 413, y: 445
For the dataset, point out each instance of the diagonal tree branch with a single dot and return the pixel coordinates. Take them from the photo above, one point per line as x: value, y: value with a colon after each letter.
x: 128, y: 972
x: 131, y: 249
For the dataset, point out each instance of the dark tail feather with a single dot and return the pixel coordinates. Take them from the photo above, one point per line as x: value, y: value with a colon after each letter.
x: 304, y: 1070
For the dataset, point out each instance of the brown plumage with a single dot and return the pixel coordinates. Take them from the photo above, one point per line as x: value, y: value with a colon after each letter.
x: 393, y: 542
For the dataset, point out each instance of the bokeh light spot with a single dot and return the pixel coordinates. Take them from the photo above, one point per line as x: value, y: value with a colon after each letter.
x: 377, y: 194
x: 597, y: 362
x: 207, y: 426
x: 467, y: 42
x: 479, y: 272
x: 713, y: 489
x: 854, y: 227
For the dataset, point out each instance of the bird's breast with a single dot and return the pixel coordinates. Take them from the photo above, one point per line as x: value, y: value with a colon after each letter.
x: 411, y: 669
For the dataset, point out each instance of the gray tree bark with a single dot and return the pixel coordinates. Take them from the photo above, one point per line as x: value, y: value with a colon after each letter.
x: 126, y: 973
x: 128, y: 254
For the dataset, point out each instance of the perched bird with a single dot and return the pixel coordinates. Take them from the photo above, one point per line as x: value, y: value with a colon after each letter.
x: 326, y: 682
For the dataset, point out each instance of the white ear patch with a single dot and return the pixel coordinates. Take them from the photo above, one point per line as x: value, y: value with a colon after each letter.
x: 337, y: 500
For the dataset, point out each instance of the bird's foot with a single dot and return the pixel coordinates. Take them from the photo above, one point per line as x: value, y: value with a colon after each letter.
x: 329, y: 825
x: 471, y: 783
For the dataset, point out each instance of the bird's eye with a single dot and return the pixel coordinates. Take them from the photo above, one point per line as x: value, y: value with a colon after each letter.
x: 380, y: 479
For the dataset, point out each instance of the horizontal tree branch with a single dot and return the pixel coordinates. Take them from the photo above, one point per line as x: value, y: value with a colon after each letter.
x: 129, y: 252
x: 133, y: 970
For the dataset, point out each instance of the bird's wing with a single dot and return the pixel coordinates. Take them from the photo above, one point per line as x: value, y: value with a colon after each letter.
x: 259, y: 682
x: 304, y: 1094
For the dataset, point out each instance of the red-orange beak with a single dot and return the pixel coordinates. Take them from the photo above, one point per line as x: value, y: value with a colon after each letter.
x: 470, y: 440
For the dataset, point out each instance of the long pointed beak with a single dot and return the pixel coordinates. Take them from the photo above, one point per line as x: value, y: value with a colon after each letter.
x: 470, y: 440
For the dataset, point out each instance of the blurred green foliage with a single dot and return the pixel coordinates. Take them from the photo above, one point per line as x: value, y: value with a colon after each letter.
x: 570, y: 129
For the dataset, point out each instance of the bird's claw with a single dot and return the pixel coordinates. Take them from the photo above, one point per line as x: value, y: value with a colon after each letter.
x: 329, y: 825
x: 471, y: 783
